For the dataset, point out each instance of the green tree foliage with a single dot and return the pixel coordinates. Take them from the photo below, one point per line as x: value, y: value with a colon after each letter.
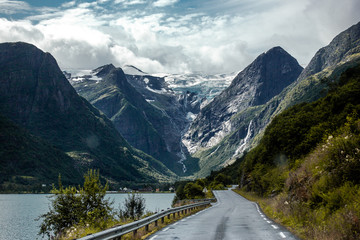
x: 134, y: 207
x: 193, y: 191
x: 73, y: 206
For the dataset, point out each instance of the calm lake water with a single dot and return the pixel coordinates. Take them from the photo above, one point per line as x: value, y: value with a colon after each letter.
x: 18, y: 211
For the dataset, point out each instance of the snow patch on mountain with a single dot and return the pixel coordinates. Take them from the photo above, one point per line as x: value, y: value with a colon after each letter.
x: 82, y: 75
x: 132, y: 70
x: 206, y: 86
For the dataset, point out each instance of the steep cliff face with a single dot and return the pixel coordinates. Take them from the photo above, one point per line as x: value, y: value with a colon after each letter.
x: 35, y: 94
x: 263, y: 79
x: 143, y: 125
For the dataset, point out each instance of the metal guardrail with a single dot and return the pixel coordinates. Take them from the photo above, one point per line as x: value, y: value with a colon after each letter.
x: 191, y: 201
x: 117, y: 232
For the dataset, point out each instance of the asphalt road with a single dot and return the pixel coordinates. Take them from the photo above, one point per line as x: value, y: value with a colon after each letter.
x: 232, y: 217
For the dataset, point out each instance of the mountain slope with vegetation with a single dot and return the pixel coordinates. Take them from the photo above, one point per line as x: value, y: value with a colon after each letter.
x: 308, y: 163
x: 28, y: 162
x: 35, y: 95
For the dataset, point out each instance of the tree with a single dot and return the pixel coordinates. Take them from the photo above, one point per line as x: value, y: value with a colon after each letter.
x: 134, y: 207
x: 72, y: 206
x: 193, y: 190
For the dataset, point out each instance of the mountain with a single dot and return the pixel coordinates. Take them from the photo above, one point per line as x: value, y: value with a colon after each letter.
x: 145, y: 126
x: 28, y: 162
x: 35, y: 95
x: 224, y: 127
x: 330, y: 61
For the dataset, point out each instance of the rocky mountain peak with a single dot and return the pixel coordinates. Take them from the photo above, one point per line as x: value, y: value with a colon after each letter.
x: 263, y: 79
x: 33, y: 82
x: 103, y: 70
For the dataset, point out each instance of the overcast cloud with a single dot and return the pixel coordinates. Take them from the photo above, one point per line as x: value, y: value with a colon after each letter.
x: 174, y: 35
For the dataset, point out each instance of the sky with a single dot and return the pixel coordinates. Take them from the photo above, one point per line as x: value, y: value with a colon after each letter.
x: 174, y: 36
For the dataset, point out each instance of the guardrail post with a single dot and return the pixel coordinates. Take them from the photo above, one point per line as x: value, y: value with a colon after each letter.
x: 134, y: 233
x: 162, y: 219
x: 147, y: 228
x: 156, y: 223
x: 169, y: 216
x: 178, y: 214
x: 174, y: 215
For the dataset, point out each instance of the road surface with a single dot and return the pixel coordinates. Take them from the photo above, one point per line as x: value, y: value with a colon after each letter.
x: 231, y: 218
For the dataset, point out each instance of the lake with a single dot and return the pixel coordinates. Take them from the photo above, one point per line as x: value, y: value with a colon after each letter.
x: 18, y: 211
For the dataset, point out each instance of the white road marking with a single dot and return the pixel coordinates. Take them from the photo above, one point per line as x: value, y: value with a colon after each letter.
x: 265, y: 219
x: 165, y: 229
x: 153, y: 237
x: 175, y: 223
x: 268, y: 221
x: 282, y: 235
x: 275, y: 227
x: 183, y: 220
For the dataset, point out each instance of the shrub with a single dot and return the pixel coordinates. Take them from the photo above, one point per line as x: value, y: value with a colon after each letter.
x: 193, y: 190
x: 134, y: 207
x: 73, y: 206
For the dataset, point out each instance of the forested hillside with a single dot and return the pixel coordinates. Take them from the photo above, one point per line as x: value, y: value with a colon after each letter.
x: 308, y: 164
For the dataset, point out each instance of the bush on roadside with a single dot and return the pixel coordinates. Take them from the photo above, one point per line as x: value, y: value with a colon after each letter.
x: 134, y: 207
x: 73, y: 206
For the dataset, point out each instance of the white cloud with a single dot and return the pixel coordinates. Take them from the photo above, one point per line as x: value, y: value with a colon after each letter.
x: 130, y: 2
x: 87, y: 35
x: 12, y: 7
x: 164, y: 3
x: 68, y: 4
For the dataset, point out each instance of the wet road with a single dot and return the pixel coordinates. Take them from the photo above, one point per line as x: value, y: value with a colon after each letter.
x: 232, y: 217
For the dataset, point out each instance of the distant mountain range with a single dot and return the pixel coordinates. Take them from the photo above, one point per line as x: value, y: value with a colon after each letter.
x: 183, y: 125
